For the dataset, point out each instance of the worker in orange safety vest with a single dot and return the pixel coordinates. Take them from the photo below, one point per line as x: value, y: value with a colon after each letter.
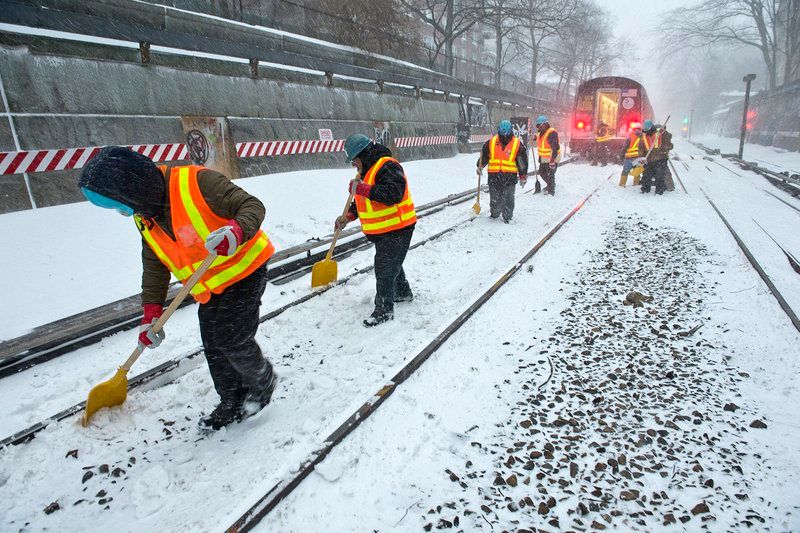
x: 385, y: 208
x: 185, y: 213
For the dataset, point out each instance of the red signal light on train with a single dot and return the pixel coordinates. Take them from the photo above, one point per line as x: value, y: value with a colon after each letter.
x: 580, y: 125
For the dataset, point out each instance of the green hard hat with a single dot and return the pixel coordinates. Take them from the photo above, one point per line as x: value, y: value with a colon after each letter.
x: 355, y: 144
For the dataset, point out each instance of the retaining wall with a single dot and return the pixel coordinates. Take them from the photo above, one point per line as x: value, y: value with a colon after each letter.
x: 64, y: 93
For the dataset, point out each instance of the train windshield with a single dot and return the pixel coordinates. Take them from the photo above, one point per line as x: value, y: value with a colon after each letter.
x: 607, y: 107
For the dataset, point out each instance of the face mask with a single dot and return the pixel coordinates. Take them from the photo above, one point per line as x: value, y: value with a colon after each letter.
x: 106, y: 202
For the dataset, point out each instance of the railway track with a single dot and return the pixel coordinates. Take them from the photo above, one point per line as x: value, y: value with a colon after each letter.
x: 282, y: 489
x: 171, y: 370
x: 67, y: 335
x: 753, y: 261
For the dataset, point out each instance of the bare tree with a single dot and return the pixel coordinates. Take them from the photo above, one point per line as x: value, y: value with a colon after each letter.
x: 503, y: 17
x: 749, y: 22
x: 542, y: 20
x: 373, y: 25
x: 448, y: 20
x: 583, y: 49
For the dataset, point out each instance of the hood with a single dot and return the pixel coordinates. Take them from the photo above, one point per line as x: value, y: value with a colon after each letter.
x: 370, y: 155
x: 128, y: 177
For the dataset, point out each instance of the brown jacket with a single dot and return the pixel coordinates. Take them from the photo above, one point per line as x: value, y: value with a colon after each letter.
x: 226, y: 200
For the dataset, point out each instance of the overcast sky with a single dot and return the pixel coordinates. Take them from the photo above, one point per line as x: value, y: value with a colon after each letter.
x: 636, y: 21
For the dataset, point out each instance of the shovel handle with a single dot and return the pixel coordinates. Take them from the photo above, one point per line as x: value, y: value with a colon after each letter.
x: 176, y: 302
x: 338, y: 230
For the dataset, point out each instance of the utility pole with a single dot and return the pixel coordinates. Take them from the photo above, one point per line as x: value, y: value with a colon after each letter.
x: 747, y: 79
x: 691, y: 121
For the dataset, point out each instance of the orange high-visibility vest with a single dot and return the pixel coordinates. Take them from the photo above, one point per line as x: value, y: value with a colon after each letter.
x: 544, y: 147
x: 633, y: 146
x: 503, y: 159
x: 377, y: 218
x: 192, y: 221
x: 652, y: 138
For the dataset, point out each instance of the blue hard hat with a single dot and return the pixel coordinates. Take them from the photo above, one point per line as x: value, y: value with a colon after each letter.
x: 505, y: 128
x: 647, y: 125
x: 104, y: 201
x: 355, y: 144
x: 541, y: 120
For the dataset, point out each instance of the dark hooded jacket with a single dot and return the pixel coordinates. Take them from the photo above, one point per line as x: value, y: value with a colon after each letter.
x: 390, y: 181
x: 130, y: 179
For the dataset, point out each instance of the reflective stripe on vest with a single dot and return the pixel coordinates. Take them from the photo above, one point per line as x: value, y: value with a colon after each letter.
x: 654, y: 138
x: 503, y: 159
x: 633, y: 147
x: 192, y: 221
x: 377, y: 218
x: 604, y: 138
x: 543, y: 146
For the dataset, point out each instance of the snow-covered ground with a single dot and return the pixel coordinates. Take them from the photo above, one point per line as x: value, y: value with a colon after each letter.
x: 770, y: 157
x: 436, y: 448
x: 93, y: 255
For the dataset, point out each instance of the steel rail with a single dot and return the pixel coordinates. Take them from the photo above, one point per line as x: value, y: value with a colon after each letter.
x: 63, y: 336
x: 165, y: 368
x: 286, y: 486
x: 755, y: 264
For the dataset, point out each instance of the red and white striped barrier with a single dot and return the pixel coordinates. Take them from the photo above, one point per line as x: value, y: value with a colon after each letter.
x: 66, y: 158
x: 270, y: 148
x: 74, y: 158
x: 407, y: 142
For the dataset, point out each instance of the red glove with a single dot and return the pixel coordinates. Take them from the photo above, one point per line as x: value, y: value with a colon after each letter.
x: 226, y: 239
x: 148, y: 337
x: 523, y: 180
x: 360, y: 188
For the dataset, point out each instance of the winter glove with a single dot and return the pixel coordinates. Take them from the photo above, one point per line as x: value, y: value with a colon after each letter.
x: 226, y: 239
x: 148, y: 337
x: 523, y: 180
x: 343, y: 220
x: 359, y: 187
x: 479, y: 171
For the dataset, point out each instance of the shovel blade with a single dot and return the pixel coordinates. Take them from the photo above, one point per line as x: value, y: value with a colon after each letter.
x: 106, y: 394
x: 324, y: 272
x: 636, y: 171
x: 477, y: 208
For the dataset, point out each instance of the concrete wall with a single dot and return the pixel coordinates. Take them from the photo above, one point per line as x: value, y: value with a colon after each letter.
x: 68, y: 95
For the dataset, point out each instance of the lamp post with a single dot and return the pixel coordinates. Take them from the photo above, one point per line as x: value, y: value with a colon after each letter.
x: 747, y: 79
x: 691, y: 121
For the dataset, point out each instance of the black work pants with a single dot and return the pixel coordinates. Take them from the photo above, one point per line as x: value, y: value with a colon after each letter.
x: 228, y: 324
x: 501, y: 196
x: 548, y: 174
x: 655, y: 171
x: 390, y: 278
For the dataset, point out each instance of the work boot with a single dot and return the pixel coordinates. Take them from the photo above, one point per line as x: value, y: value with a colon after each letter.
x: 404, y: 298
x: 378, y: 317
x: 225, y: 413
x: 260, y: 396
x: 623, y: 179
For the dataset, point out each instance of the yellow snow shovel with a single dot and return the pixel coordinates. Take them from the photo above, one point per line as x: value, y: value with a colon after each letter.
x: 477, y: 206
x: 326, y: 271
x: 115, y: 390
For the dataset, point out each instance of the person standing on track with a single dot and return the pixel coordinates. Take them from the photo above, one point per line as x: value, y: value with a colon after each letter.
x: 507, y: 158
x: 549, y: 153
x: 630, y: 154
x: 383, y: 204
x: 600, y: 151
x: 656, y: 169
x: 184, y: 213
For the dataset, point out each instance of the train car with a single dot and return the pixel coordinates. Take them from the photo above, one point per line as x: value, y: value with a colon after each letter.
x: 616, y: 101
